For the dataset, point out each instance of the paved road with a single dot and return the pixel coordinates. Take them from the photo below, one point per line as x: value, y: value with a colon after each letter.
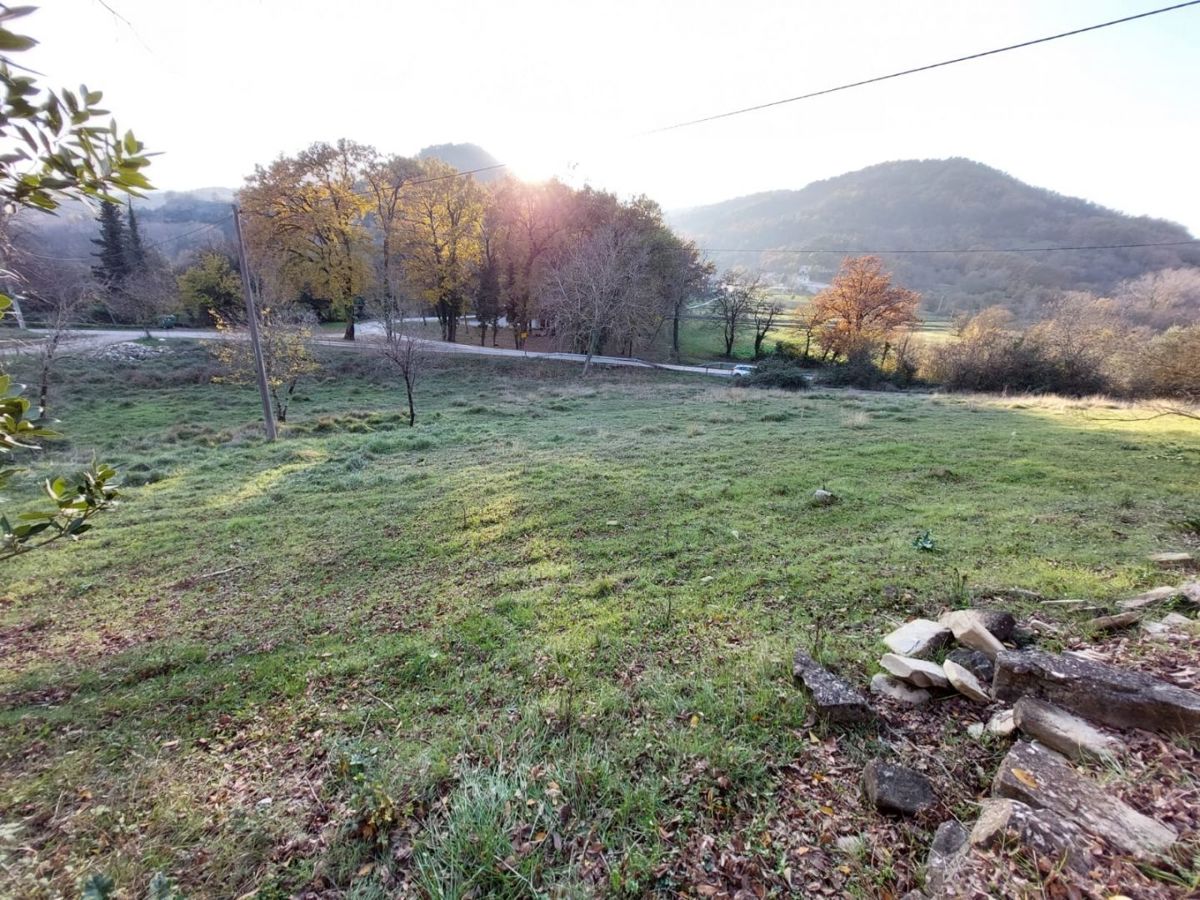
x: 83, y: 342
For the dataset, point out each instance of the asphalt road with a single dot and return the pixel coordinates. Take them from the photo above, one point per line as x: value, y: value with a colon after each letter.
x: 92, y: 340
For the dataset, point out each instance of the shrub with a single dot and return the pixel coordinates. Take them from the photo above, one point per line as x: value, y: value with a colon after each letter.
x: 858, y: 371
x: 1072, y: 352
x: 1169, y: 365
x: 777, y: 372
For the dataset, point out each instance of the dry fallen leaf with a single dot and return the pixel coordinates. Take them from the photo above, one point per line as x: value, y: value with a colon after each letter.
x: 1025, y: 778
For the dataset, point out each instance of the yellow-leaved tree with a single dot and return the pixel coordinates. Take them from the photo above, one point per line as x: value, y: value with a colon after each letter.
x: 440, y: 230
x: 304, y: 221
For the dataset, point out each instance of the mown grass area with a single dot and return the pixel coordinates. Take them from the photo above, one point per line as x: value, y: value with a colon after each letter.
x: 537, y: 645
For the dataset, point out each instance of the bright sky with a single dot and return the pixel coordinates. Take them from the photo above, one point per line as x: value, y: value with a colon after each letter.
x: 562, y: 88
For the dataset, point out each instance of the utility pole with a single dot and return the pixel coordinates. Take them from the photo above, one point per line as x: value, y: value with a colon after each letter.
x: 260, y: 368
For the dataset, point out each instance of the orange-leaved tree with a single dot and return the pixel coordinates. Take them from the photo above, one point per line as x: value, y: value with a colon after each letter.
x: 862, y: 311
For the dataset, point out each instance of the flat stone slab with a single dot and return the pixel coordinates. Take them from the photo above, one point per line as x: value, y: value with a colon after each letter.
x: 1042, y: 779
x: 1169, y: 625
x: 918, y: 638
x: 965, y: 683
x: 894, y: 688
x: 1149, y: 598
x: 970, y: 629
x: 1062, y: 731
x: 832, y: 697
x: 1170, y: 559
x: 1042, y: 831
x: 919, y: 672
x: 1116, y: 623
x: 897, y: 789
x: 1113, y: 696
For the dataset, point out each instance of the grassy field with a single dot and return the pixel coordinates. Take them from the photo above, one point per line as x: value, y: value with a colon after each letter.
x: 538, y: 645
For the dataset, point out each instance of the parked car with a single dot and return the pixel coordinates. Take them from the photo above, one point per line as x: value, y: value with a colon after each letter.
x: 740, y: 370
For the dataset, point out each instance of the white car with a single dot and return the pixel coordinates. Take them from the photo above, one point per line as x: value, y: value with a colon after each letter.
x: 739, y: 371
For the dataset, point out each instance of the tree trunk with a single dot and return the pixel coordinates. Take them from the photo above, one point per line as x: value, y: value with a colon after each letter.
x: 412, y: 410
x: 675, y: 335
x: 349, y: 333
x: 483, y: 333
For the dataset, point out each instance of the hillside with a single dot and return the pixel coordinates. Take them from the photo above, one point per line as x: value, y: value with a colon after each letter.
x: 946, y: 203
x: 465, y: 158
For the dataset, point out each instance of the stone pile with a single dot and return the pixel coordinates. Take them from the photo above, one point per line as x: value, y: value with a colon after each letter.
x: 911, y: 675
x: 1060, y: 709
x: 1048, y: 797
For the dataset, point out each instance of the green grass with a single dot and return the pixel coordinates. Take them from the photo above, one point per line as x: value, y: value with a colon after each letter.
x: 533, y: 644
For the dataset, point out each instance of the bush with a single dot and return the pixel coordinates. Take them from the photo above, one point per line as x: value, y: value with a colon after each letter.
x: 1169, y: 365
x: 858, y: 371
x: 777, y: 372
x: 1072, y: 351
x: 794, y: 352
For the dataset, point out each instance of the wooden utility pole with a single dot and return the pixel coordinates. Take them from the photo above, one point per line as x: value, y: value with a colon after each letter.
x: 260, y: 367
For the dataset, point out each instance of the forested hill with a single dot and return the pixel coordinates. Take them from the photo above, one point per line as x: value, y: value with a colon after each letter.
x: 939, y: 203
x: 465, y: 158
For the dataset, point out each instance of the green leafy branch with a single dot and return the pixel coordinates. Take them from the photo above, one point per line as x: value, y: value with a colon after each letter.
x: 75, y: 501
x: 54, y: 149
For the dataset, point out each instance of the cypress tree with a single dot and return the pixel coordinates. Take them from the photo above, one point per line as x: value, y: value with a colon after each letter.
x: 135, y: 251
x: 113, y: 265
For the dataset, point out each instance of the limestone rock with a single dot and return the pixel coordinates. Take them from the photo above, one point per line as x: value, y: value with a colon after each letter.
x: 975, y: 730
x: 1149, y: 598
x: 822, y: 497
x: 919, y: 672
x: 1170, y: 624
x: 833, y: 699
x: 1044, y: 780
x: 1191, y: 592
x: 1042, y: 831
x: 918, y: 638
x: 1117, y: 622
x: 1003, y: 723
x: 896, y: 689
x: 1060, y: 730
x: 964, y: 682
x: 970, y: 631
x: 896, y: 789
x: 1170, y: 560
x: 947, y: 854
x: 974, y: 662
x: 1097, y: 691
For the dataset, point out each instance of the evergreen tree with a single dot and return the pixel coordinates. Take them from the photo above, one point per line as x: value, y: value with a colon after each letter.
x: 135, y: 252
x: 113, y: 266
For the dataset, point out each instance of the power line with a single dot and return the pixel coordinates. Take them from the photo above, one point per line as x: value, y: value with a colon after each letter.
x: 164, y: 241
x: 861, y: 252
x: 456, y: 174
x: 937, y: 65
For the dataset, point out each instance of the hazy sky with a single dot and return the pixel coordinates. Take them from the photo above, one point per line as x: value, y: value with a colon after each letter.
x: 562, y: 87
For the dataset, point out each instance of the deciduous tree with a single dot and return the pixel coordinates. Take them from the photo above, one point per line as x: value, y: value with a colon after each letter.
x: 304, y: 220
x: 285, y: 333
x: 862, y: 310
x: 443, y: 213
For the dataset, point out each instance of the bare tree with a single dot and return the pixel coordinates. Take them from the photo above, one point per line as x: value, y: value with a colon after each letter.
x: 406, y: 354
x: 732, y: 302
x: 595, y: 293
x: 764, y: 313
x: 57, y: 295
x: 145, y: 297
